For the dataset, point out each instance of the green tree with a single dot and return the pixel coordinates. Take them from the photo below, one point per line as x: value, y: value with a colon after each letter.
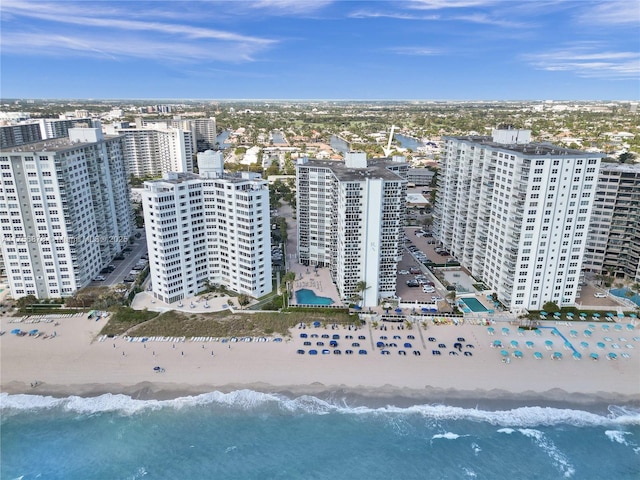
x: 551, y: 307
x: 26, y: 301
x: 243, y: 300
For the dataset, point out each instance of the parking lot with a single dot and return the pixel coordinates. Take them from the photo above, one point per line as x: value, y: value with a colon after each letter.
x: 417, y: 273
x: 126, y: 264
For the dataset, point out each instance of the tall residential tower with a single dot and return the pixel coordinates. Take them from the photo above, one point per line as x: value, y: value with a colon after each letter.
x: 351, y: 219
x: 516, y: 214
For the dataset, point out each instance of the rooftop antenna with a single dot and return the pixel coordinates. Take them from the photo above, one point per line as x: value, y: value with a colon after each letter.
x: 388, y: 150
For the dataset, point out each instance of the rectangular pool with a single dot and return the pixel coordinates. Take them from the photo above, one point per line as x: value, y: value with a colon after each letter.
x: 474, y: 304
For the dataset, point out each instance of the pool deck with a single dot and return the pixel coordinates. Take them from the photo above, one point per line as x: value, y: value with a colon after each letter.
x: 318, y: 280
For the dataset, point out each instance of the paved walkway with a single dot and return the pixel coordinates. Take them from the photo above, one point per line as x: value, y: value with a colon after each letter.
x: 202, y: 303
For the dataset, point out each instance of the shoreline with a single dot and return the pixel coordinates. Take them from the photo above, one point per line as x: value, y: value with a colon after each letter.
x: 356, y: 396
x: 75, y: 363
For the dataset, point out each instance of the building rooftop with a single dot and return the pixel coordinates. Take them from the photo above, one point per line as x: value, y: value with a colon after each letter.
x: 620, y: 167
x: 376, y: 168
x: 51, y: 145
x: 530, y: 149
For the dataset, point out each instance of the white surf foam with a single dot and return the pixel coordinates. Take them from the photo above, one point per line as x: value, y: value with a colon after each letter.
x: 557, y: 457
x: 617, y: 436
x: 523, y: 417
x: 447, y: 436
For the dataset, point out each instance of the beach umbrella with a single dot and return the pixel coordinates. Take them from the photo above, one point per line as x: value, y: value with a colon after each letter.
x: 537, y: 355
x: 517, y: 354
x: 520, y: 331
x: 610, y: 314
x: 630, y: 326
x: 618, y: 327
x: 505, y: 331
x: 605, y: 327
x: 612, y: 356
x: 497, y: 343
x: 33, y: 332
x: 577, y: 355
x: 504, y: 353
x: 554, y: 332
x: 620, y: 315
x: 633, y: 315
x: 591, y: 326
x: 595, y: 356
x: 570, y: 314
x: 556, y: 314
x: 583, y: 315
x: 316, y: 324
x: 595, y: 315
x: 600, y: 345
x: 557, y: 356
x: 573, y: 333
x: 491, y: 330
x: 587, y: 333
x: 538, y: 332
x: 514, y: 344
x: 548, y: 343
x: 568, y: 346
x: 543, y: 313
x: 584, y: 344
x: 529, y: 344
x: 398, y: 310
x: 15, y: 331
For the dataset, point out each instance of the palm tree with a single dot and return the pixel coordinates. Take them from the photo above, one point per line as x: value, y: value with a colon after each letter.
x: 361, y: 286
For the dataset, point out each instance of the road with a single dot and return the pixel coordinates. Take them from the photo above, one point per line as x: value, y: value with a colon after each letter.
x: 123, y: 267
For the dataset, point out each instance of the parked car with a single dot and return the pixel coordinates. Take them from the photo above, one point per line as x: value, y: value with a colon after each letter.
x: 600, y: 295
x: 100, y: 278
x: 412, y: 283
x: 403, y: 272
x: 414, y: 270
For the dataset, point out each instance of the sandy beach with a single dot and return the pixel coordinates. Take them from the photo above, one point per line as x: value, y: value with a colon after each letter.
x: 77, y: 362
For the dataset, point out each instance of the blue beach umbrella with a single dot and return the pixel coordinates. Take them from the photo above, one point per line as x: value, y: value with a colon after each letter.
x: 529, y: 344
x: 548, y: 343
x: 15, y: 331
x: 557, y: 356
x: 517, y: 354
x: 600, y: 345
x: 537, y: 355
x: 583, y: 315
x: 538, y: 332
x: 594, y: 356
x: 605, y: 328
x: 610, y: 314
x: 505, y: 331
x: 577, y: 355
x: 620, y: 315
x: 595, y: 315
x: 591, y: 326
x: 497, y: 343
x: 504, y: 353
x: 514, y: 344
x: 570, y: 314
x: 567, y: 345
x: 587, y: 333
x: 618, y: 327
x: 584, y: 344
x: 633, y: 315
x: 543, y: 313
x: 491, y: 330
x: 573, y: 333
x: 316, y: 324
x: 630, y: 326
x: 612, y: 356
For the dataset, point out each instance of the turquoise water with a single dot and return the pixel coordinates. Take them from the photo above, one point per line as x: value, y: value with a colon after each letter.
x: 309, y: 297
x: 622, y: 292
x: 250, y: 435
x: 474, y: 304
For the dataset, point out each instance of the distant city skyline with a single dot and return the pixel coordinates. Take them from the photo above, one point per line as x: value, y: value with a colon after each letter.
x: 322, y: 49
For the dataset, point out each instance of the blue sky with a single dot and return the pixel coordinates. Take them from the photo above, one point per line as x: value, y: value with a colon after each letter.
x: 322, y: 49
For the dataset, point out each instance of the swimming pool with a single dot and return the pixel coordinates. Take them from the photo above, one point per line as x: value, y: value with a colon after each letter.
x: 622, y: 292
x: 309, y: 297
x: 474, y: 304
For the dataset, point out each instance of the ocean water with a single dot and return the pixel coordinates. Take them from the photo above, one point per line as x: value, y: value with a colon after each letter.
x: 251, y: 435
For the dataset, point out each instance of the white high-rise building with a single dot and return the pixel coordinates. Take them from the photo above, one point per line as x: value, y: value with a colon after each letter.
x: 156, y: 149
x: 351, y: 219
x: 614, y: 232
x: 64, y: 212
x: 516, y: 214
x: 208, y: 228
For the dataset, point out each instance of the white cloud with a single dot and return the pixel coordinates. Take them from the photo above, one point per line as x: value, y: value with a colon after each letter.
x: 583, y: 61
x: 166, y: 40
x: 612, y: 12
x: 293, y: 7
x: 442, y: 4
x: 418, y: 51
x: 396, y: 15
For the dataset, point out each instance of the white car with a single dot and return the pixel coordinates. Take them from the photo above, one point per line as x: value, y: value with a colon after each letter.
x: 600, y: 295
x: 100, y: 278
x: 427, y: 289
x: 403, y: 272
